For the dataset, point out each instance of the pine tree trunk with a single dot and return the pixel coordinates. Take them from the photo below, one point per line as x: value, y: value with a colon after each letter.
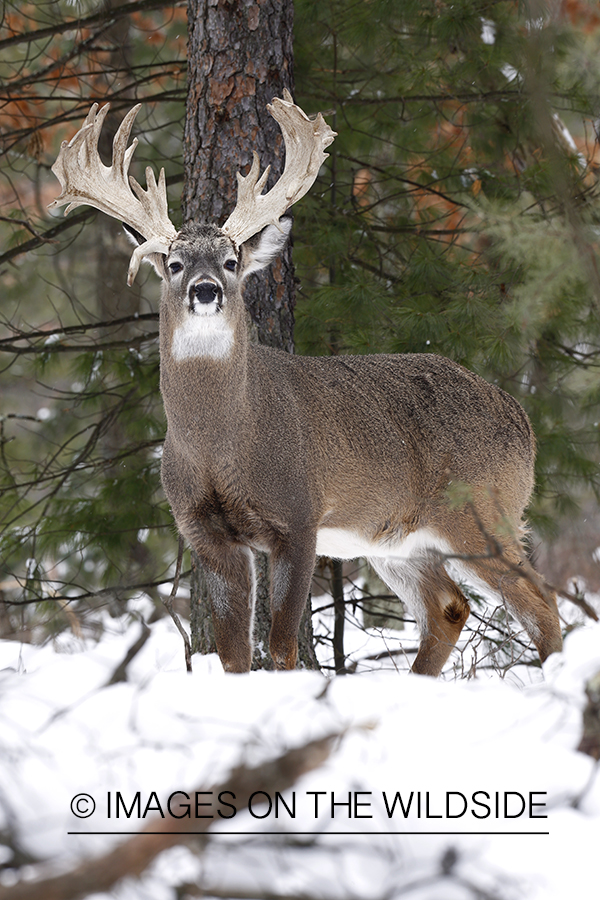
x: 240, y: 57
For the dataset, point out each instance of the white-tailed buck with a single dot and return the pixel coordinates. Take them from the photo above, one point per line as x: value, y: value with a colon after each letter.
x: 340, y: 456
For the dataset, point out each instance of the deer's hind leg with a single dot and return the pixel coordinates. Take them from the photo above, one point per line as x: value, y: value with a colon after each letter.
x: 537, y: 613
x: 490, y: 558
x: 437, y: 603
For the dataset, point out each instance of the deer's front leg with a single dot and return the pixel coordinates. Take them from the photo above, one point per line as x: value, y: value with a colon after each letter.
x: 291, y: 573
x: 229, y: 571
x: 232, y: 594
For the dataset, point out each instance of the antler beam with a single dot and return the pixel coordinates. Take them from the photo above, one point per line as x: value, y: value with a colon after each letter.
x: 305, y: 142
x: 85, y: 180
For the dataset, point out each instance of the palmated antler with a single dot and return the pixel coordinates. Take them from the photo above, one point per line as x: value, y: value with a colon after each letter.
x: 85, y: 180
x: 305, y: 142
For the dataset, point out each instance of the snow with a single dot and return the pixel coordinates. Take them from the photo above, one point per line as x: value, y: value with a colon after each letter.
x: 455, y: 749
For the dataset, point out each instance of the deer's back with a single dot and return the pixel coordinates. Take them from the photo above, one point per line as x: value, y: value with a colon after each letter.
x: 420, y: 420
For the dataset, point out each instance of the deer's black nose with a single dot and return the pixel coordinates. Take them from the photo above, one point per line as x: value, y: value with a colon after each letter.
x: 205, y: 292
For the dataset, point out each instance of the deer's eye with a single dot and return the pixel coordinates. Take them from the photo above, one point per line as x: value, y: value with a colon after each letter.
x: 175, y: 267
x: 230, y: 265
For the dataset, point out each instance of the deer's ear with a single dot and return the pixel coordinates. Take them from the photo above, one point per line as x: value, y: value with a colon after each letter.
x: 260, y: 250
x: 157, y: 260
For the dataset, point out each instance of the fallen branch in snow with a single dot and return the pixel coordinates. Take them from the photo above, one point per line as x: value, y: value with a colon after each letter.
x: 120, y: 673
x: 134, y: 855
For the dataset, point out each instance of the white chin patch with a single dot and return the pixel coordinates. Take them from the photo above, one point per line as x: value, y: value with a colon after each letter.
x: 204, y: 310
x: 204, y: 334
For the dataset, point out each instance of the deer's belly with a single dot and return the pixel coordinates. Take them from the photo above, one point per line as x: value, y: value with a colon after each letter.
x: 342, y: 543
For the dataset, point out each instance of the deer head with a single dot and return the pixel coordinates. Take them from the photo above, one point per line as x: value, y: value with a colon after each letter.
x: 85, y: 180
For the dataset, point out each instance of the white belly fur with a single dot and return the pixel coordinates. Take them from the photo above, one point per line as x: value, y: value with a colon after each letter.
x: 339, y: 543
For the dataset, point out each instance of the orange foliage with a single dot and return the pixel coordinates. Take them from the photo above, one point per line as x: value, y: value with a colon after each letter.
x: 583, y: 14
x: 360, y: 187
x: 432, y: 209
x: 53, y: 80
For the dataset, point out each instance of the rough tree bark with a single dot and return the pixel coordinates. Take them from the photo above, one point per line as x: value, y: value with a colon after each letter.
x: 239, y: 57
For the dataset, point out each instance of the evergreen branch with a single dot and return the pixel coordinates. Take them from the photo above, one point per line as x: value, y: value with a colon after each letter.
x: 97, y: 464
x: 467, y: 97
x: 61, y: 477
x: 96, y: 431
x: 419, y: 230
x: 414, y: 184
x: 108, y: 16
x: 355, y: 260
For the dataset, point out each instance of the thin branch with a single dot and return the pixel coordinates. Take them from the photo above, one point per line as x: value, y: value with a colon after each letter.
x: 168, y: 602
x: 417, y: 186
x: 120, y: 673
x: 83, y: 328
x: 525, y: 570
x: 46, y: 236
x: 96, y: 347
x: 110, y: 15
x: 97, y: 594
x: 26, y: 224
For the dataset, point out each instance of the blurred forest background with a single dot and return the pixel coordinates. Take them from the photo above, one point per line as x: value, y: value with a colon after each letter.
x: 458, y: 213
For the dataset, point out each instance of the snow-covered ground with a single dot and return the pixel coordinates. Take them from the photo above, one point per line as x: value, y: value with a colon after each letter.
x: 458, y: 751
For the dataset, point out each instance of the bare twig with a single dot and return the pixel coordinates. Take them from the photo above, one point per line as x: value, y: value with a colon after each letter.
x: 120, y: 673
x: 24, y: 223
x: 111, y: 15
x: 169, y: 607
x: 47, y: 236
x: 590, y: 740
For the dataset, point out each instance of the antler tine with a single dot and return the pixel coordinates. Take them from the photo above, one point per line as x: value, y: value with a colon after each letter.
x: 121, y: 152
x: 85, y: 180
x: 305, y: 142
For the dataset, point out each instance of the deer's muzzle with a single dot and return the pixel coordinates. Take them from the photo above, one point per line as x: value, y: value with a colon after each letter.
x: 205, y: 292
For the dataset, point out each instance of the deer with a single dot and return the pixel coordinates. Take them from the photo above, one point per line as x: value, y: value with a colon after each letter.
x: 340, y: 456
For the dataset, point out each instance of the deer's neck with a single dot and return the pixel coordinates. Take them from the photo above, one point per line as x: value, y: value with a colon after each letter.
x: 204, y: 380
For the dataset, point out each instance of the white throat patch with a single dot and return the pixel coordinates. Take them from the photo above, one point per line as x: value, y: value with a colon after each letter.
x: 202, y: 336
